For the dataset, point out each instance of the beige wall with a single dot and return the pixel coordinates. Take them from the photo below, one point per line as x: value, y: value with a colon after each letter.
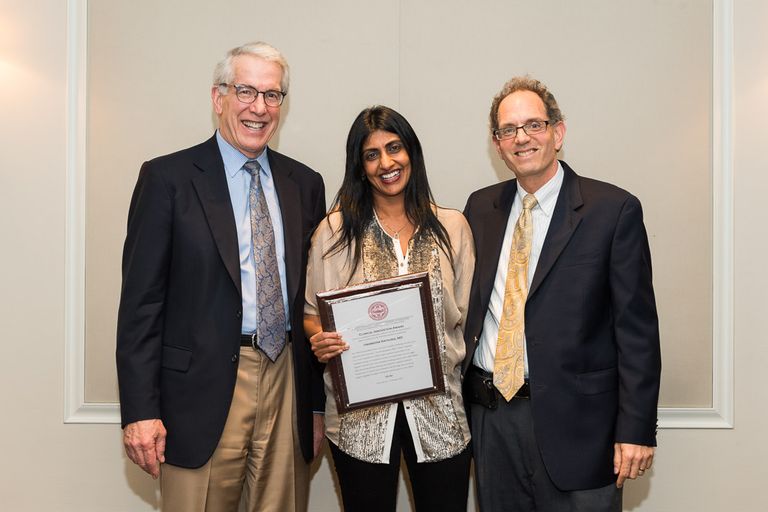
x: 49, y: 466
x: 617, y: 70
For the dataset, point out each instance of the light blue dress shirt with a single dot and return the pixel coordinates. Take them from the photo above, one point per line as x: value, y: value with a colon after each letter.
x: 239, y: 183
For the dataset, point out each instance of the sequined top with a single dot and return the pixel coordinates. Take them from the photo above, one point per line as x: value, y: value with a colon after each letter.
x: 437, y: 422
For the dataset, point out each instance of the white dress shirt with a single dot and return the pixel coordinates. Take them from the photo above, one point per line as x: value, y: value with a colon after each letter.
x: 541, y: 214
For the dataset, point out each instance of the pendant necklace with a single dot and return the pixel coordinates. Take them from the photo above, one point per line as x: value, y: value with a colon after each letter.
x: 396, y: 232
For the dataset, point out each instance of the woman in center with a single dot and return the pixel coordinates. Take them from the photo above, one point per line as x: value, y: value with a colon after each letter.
x: 384, y: 223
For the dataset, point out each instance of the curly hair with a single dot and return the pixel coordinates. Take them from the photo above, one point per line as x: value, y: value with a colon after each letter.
x: 525, y: 83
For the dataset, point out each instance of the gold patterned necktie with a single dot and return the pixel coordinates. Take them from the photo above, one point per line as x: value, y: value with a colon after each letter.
x: 509, y: 363
x: 270, y: 329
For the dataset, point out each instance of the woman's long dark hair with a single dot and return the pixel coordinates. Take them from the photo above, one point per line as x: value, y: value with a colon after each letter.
x: 355, y: 198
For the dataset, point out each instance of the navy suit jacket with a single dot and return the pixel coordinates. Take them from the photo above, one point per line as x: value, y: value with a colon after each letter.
x: 180, y: 314
x: 590, y: 323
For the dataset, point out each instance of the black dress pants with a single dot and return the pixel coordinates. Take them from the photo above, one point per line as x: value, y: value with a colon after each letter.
x: 510, y: 473
x: 441, y: 486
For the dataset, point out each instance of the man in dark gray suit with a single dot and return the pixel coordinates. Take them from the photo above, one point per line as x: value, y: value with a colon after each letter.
x: 563, y: 361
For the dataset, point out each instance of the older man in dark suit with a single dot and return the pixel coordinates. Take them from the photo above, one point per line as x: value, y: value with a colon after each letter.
x: 217, y: 382
x: 563, y: 361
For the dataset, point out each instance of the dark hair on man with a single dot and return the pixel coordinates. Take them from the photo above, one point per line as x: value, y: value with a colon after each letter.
x: 355, y: 198
x: 525, y: 83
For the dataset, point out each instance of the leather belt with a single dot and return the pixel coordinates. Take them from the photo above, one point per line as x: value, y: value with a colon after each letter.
x: 479, y: 388
x: 249, y: 340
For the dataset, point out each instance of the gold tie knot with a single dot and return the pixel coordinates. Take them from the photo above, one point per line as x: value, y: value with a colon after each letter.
x: 529, y: 201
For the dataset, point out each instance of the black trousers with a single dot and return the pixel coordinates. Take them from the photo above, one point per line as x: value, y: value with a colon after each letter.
x: 510, y: 473
x: 440, y: 486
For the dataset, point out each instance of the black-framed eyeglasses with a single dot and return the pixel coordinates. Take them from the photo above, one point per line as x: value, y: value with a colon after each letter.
x: 248, y: 94
x: 530, y: 128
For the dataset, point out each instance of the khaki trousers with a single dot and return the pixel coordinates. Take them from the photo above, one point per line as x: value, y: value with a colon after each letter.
x: 257, y: 465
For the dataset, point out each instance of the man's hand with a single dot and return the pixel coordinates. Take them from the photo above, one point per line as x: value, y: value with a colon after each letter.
x: 144, y: 443
x: 631, y: 461
x: 318, y: 431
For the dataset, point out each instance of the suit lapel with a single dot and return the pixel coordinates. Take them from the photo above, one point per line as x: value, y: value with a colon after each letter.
x: 211, y: 187
x: 565, y: 220
x: 491, y: 238
x: 290, y: 210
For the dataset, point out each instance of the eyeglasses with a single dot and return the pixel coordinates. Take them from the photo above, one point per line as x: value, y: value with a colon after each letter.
x: 531, y: 128
x: 248, y: 94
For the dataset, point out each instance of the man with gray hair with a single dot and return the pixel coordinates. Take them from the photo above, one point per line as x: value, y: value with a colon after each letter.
x: 563, y: 362
x: 217, y: 382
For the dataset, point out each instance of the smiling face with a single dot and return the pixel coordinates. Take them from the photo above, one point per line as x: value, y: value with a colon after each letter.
x: 248, y: 127
x: 533, y: 158
x: 387, y: 165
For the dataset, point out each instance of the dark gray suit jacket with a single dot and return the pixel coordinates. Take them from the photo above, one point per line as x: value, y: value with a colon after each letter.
x: 180, y: 314
x: 590, y: 323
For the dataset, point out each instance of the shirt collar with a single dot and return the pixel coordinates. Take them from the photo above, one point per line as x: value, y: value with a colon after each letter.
x: 234, y: 159
x: 546, y: 196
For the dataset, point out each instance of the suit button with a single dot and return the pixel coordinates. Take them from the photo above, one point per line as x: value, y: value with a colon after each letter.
x: 239, y: 314
x: 234, y: 358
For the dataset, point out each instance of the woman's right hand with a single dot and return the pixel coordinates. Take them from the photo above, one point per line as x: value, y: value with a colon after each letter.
x: 327, y: 345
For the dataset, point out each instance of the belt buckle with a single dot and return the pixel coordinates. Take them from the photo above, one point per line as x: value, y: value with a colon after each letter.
x: 253, y: 341
x: 493, y: 393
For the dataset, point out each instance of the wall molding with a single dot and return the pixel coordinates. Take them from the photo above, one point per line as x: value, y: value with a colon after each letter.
x: 720, y: 415
x: 76, y: 409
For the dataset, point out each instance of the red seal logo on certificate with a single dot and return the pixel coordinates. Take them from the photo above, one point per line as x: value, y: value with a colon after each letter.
x: 378, y: 311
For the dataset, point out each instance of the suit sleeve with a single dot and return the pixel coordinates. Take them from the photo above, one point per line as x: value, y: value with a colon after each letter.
x: 318, y: 389
x: 468, y: 209
x: 146, y: 257
x: 636, y: 328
